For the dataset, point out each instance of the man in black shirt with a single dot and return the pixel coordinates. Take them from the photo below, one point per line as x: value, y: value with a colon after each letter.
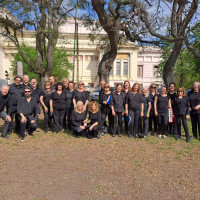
x: 5, y: 101
x: 36, y: 91
x: 16, y: 92
x: 102, y: 84
x: 27, y: 107
x: 25, y: 81
x: 52, y: 81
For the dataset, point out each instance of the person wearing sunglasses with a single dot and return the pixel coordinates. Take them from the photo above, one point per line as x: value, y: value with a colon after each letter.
x: 181, y: 113
x: 29, y: 111
x: 194, y: 99
x: 153, y: 120
x: 44, y: 100
x: 81, y: 95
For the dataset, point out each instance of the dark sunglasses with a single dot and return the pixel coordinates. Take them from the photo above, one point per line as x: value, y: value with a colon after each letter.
x: 106, y: 87
x: 81, y: 84
x: 27, y: 92
x: 153, y: 87
x: 180, y: 91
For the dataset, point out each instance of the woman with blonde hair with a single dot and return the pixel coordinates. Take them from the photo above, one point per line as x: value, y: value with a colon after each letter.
x: 78, y: 119
x: 134, y: 108
x: 95, y: 120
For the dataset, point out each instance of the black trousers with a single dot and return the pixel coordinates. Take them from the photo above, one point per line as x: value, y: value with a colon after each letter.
x: 30, y: 127
x: 47, y: 119
x: 126, y: 124
x: 162, y: 123
x: 117, y: 120
x: 93, y: 133
x: 58, y: 116
x: 78, y: 131
x: 143, y: 123
x: 153, y: 120
x: 17, y: 122
x: 104, y: 113
x: 135, y: 115
x: 178, y: 119
x: 67, y: 115
x: 195, y: 119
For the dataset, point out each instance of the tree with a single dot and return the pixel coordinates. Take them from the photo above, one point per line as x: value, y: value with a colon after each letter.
x: 42, y: 16
x: 61, y: 65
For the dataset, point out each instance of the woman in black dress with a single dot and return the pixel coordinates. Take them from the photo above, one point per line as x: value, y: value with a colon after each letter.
x: 81, y: 95
x: 194, y: 99
x: 153, y: 120
x: 181, y: 113
x: 162, y: 102
x: 134, y: 108
x: 44, y: 100
x: 95, y: 120
x: 78, y: 120
x: 57, y: 107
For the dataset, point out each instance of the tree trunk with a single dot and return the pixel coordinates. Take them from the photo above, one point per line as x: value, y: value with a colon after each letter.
x: 168, y: 72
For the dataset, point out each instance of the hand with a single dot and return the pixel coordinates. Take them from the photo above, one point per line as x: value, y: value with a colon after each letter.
x: 91, y: 127
x: 46, y: 110
x: 123, y: 113
x: 173, y: 116
x: 51, y: 110
x: 23, y: 119
x: 197, y: 107
x: 8, y: 118
x: 32, y: 121
x: 142, y: 114
x: 187, y: 117
x: 113, y: 113
x: 85, y: 124
x: 105, y: 102
x: 156, y: 113
x: 147, y: 115
x: 82, y: 127
x: 84, y: 107
x: 126, y: 112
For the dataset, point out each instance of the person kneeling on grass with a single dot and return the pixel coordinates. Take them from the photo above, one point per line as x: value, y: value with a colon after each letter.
x: 78, y: 117
x: 27, y: 108
x: 95, y: 121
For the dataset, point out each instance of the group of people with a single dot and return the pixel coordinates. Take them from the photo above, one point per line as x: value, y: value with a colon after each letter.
x: 70, y: 109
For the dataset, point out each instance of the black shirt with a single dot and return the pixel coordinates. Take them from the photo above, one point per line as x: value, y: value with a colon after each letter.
x: 172, y: 97
x: 104, y: 97
x: 28, y: 108
x: 36, y: 93
x: 194, y: 99
x: 69, y: 101
x: 78, y: 118
x: 95, y: 117
x: 100, y: 94
x: 53, y: 87
x: 16, y: 92
x: 134, y: 101
x: 181, y: 106
x: 118, y: 101
x: 23, y: 85
x: 5, y: 101
x: 81, y: 96
x: 146, y: 101
x: 58, y: 100
x: 162, y: 104
x: 46, y: 97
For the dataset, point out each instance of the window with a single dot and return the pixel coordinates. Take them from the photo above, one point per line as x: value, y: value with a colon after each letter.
x: 155, y: 72
x: 140, y: 71
x: 125, y: 68
x: 111, y: 72
x: 118, y: 69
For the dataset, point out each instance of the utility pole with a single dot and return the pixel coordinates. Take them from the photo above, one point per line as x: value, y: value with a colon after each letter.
x: 77, y: 78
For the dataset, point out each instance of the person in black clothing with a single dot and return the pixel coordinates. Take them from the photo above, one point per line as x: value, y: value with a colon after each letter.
x: 78, y: 120
x: 194, y: 99
x: 5, y: 101
x: 181, y: 112
x: 36, y: 91
x: 25, y: 82
x: 117, y: 106
x: 126, y: 89
x: 52, y: 81
x: 152, y: 118
x: 81, y: 95
x: 57, y: 107
x: 172, y: 94
x: 143, y: 123
x: 65, y: 83
x: 27, y: 107
x: 106, y: 109
x: 162, y: 102
x: 16, y: 92
x: 69, y: 104
x: 95, y: 120
x: 134, y: 108
x: 44, y: 100
x: 102, y: 84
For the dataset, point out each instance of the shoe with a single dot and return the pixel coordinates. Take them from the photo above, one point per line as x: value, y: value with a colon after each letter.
x: 134, y: 135
x: 113, y: 135
x: 130, y: 135
x: 120, y: 135
x: 164, y: 136
x: 37, y: 130
x: 98, y: 136
x: 102, y: 133
x: 188, y: 139
x: 178, y: 138
x: 5, y: 136
x: 155, y: 134
x: 46, y: 131
x: 22, y: 138
x: 149, y: 133
x: 159, y: 136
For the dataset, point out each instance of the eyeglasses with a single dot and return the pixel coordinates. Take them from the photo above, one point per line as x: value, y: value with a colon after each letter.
x: 27, y: 91
x: 81, y: 84
x: 153, y: 87
x: 180, y: 91
x: 106, y: 87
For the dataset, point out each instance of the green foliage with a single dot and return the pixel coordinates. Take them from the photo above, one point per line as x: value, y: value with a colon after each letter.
x: 61, y: 65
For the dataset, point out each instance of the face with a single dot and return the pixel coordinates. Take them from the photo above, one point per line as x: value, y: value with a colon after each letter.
x: 79, y: 106
x: 27, y: 92
x: 135, y: 88
x: 26, y: 79
x: 71, y: 86
x: 51, y: 79
x: 126, y: 85
x: 119, y: 88
x: 164, y: 90
x: 93, y: 107
x: 47, y: 85
x: 102, y: 83
x: 59, y: 87
x: 153, y: 88
x: 81, y: 85
x: 33, y: 83
x: 4, y: 90
x: 196, y: 87
x: 172, y: 87
x: 17, y: 81
x: 180, y: 92
x: 65, y: 83
x: 144, y: 91
x: 106, y: 88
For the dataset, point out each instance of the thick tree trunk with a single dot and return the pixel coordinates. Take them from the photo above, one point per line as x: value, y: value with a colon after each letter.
x: 168, y: 72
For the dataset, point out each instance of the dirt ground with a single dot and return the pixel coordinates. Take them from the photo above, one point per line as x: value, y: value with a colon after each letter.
x: 59, y: 166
